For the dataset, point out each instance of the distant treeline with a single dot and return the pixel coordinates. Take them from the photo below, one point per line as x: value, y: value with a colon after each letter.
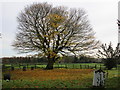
x: 67, y: 59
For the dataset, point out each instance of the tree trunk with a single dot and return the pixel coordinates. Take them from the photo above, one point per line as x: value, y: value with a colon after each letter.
x: 50, y: 64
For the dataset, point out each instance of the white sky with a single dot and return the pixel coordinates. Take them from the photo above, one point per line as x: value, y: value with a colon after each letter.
x: 102, y: 15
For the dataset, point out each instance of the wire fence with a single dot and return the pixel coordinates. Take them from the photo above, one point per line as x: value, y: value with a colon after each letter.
x: 36, y: 66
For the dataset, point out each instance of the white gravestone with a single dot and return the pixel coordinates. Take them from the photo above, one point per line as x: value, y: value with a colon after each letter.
x: 99, y: 78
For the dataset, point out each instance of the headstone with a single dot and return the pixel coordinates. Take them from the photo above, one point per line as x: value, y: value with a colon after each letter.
x: 12, y: 68
x: 24, y: 68
x: 7, y: 77
x: 99, y: 78
x: 32, y: 68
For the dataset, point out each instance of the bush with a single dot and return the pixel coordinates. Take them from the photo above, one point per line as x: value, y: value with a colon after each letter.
x: 110, y: 63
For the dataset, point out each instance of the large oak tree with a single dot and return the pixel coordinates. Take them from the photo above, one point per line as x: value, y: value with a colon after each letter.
x: 53, y: 32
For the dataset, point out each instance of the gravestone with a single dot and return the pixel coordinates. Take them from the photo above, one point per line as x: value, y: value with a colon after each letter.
x: 24, y: 68
x: 99, y: 78
x: 7, y: 77
x: 32, y: 68
x: 12, y: 68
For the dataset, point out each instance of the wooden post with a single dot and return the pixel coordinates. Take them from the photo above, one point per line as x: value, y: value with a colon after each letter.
x: 88, y: 66
x: 80, y: 66
x: 19, y: 66
x: 35, y: 66
x: 73, y: 66
x: 66, y: 66
x: 95, y: 66
x: 116, y: 67
x: 100, y: 66
x: 27, y: 65
x: 42, y: 66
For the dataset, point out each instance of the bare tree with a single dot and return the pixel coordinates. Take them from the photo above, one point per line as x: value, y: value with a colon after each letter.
x: 53, y: 32
x: 110, y: 56
x: 108, y: 51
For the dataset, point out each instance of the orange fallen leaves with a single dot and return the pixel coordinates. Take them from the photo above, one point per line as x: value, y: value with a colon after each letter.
x: 55, y: 74
x: 36, y: 86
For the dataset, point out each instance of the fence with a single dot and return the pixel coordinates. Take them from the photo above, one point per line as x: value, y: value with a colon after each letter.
x: 67, y: 66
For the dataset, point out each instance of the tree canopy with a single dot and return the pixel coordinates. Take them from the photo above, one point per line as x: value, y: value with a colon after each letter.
x: 54, y: 31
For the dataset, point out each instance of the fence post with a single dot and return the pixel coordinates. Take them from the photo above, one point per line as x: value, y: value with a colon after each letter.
x: 35, y: 66
x: 80, y: 66
x: 95, y: 66
x: 73, y: 66
x: 116, y: 67
x: 88, y: 66
x: 19, y: 66
x: 66, y: 66
x: 27, y: 65
x: 40, y: 65
x: 100, y: 66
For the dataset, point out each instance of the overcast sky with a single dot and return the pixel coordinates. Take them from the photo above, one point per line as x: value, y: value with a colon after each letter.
x: 102, y: 15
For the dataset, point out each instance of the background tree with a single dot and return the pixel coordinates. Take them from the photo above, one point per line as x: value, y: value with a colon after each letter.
x: 53, y: 32
x: 110, y: 56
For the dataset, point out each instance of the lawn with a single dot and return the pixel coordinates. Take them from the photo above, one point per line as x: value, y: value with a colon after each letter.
x: 57, y: 78
x: 60, y: 65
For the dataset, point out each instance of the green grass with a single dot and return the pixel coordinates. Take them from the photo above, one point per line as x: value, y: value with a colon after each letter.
x: 68, y: 65
x: 110, y: 82
x: 46, y: 84
x: 113, y: 79
x: 86, y: 82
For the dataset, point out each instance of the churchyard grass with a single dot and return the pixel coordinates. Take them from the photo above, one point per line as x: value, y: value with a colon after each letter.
x: 58, y: 78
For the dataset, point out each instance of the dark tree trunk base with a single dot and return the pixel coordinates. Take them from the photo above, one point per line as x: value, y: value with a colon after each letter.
x: 48, y: 69
x: 49, y: 65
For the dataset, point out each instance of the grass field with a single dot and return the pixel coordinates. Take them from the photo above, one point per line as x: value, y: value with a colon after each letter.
x: 68, y: 65
x: 57, y: 78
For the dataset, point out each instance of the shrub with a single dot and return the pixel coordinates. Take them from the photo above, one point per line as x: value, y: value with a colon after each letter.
x: 110, y: 63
